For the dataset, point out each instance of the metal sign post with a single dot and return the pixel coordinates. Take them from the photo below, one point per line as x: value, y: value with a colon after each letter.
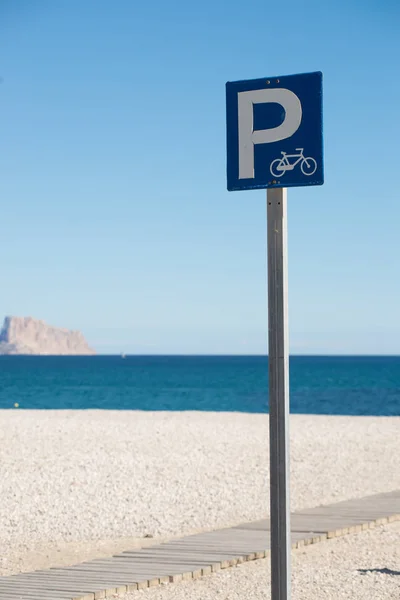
x: 278, y: 367
x: 274, y: 141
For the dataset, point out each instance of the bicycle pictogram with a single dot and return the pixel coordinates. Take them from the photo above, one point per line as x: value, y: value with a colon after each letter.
x: 279, y: 166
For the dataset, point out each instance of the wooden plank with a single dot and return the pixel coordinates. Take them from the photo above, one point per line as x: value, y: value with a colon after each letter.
x: 84, y: 583
x: 14, y: 594
x: 47, y: 585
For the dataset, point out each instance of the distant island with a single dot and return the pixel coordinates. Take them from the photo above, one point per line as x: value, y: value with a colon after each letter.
x: 25, y: 335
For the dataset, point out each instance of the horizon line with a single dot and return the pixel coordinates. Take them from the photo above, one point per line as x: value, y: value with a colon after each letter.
x: 212, y: 355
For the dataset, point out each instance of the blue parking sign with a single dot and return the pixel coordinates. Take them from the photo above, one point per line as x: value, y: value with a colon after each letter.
x: 274, y: 132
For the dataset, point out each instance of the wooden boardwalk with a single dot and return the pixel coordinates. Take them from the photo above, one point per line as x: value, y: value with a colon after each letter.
x: 196, y: 555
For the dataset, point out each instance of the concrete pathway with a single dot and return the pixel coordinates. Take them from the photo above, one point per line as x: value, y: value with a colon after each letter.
x: 196, y: 555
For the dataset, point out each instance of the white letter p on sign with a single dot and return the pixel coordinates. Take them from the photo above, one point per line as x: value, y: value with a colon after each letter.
x: 248, y: 138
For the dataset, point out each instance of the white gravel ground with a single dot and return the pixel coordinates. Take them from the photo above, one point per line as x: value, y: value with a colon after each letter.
x: 79, y: 484
x: 364, y: 566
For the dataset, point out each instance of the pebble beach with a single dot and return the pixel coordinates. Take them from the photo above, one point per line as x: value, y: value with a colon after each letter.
x: 77, y: 485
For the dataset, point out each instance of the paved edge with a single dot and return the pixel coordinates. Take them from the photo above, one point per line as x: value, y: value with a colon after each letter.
x: 215, y: 567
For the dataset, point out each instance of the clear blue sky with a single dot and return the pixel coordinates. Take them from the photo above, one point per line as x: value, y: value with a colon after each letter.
x: 115, y: 217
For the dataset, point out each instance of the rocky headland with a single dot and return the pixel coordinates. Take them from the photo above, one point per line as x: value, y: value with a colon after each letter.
x: 25, y: 335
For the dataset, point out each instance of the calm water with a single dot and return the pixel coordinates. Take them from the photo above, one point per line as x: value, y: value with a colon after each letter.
x: 319, y: 385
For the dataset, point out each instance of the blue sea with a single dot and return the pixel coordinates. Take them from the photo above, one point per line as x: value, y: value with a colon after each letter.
x: 318, y: 385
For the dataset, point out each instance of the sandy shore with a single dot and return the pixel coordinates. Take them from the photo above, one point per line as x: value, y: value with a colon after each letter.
x: 80, y: 484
